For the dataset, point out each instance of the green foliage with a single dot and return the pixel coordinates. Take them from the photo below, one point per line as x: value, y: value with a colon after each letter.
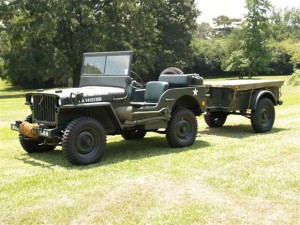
x: 48, y: 38
x: 175, y: 24
x: 237, y: 62
x: 203, y: 31
x: 284, y: 24
x: 207, y: 56
x: 255, y: 45
x: 225, y: 25
x: 292, y: 48
x: 280, y: 62
x: 234, y: 59
x: 294, y: 79
x: 4, y: 47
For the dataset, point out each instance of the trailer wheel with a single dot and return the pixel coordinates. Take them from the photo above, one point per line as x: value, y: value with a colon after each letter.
x: 263, y: 117
x: 32, y: 145
x: 215, y: 119
x: 133, y: 134
x: 84, y: 141
x: 182, y: 128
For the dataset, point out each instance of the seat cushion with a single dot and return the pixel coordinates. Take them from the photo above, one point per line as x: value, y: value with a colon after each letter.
x: 176, y: 80
x: 154, y: 89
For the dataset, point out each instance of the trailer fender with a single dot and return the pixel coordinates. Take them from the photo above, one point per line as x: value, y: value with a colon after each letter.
x: 258, y: 95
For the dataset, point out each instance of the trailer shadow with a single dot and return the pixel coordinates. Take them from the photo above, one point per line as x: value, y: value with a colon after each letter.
x: 116, y: 152
x: 239, y: 132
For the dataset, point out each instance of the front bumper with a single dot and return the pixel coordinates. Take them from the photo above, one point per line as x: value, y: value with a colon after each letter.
x: 37, y: 131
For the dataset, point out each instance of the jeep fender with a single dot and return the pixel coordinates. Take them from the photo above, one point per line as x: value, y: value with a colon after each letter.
x: 101, y: 111
x: 189, y: 97
x: 258, y: 95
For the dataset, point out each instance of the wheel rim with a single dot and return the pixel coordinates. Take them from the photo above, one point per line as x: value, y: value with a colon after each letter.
x: 87, y: 143
x: 265, y: 116
x: 184, y: 128
x: 217, y: 119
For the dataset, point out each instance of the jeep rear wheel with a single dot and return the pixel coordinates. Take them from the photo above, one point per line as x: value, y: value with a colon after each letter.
x: 133, y: 134
x: 215, y: 119
x: 84, y: 141
x: 182, y: 128
x: 32, y: 145
x: 263, y: 117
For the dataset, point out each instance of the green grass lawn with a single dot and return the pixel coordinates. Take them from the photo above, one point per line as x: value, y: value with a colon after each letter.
x: 230, y: 175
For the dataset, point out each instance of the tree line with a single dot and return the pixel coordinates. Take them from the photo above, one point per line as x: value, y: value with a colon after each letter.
x: 41, y: 42
x: 267, y: 41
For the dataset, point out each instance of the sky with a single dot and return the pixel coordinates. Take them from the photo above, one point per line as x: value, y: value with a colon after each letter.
x: 233, y: 8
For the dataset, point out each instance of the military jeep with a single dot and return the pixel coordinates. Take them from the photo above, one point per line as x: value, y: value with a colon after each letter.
x: 109, y: 101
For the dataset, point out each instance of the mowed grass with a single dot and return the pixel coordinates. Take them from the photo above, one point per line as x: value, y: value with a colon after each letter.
x: 230, y: 175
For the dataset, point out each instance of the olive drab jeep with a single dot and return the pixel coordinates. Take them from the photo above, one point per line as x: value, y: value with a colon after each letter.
x: 109, y: 101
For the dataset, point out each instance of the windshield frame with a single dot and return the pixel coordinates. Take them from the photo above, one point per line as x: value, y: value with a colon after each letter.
x: 106, y: 55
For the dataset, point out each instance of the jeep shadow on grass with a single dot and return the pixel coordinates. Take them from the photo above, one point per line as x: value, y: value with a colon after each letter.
x: 116, y: 152
x: 109, y: 102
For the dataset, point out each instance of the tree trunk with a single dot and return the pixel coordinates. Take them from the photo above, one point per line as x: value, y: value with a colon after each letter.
x: 76, y: 75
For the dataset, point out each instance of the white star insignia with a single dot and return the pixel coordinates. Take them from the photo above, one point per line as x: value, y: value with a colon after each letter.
x: 195, y: 92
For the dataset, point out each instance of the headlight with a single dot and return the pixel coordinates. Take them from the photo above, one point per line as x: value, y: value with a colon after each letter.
x: 58, y: 102
x: 31, y: 100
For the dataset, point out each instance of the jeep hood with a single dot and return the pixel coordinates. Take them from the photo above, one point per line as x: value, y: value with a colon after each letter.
x: 89, y: 91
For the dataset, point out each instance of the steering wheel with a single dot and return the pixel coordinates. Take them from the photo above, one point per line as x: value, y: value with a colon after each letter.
x: 135, y: 83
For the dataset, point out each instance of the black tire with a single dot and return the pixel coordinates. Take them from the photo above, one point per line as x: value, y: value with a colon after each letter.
x: 263, y: 117
x: 32, y: 145
x: 182, y: 128
x: 133, y: 134
x: 172, y: 70
x: 215, y: 119
x: 84, y: 141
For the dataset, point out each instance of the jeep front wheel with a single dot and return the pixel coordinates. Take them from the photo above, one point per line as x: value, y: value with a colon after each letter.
x: 32, y: 145
x: 182, y: 128
x: 84, y: 141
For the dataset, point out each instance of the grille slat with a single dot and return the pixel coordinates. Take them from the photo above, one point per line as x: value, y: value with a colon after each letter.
x: 44, y: 108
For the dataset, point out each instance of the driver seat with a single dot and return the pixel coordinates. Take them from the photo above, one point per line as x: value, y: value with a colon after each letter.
x: 153, y: 92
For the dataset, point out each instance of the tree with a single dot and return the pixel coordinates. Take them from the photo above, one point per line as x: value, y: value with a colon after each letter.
x: 225, y: 25
x: 284, y: 24
x: 203, y: 31
x: 292, y: 48
x: 237, y: 62
x: 176, y: 21
x: 255, y: 45
x: 29, y: 60
x: 208, y: 55
x: 49, y: 37
x: 284, y: 35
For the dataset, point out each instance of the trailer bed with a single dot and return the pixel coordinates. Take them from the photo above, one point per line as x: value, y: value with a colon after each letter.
x: 244, y: 85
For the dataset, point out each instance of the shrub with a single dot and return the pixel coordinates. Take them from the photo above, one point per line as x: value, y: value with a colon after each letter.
x: 294, y: 79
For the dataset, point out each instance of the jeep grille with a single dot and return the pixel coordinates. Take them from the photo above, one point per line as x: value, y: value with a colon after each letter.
x: 44, y: 108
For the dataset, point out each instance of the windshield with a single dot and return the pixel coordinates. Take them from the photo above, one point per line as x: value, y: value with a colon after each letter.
x: 106, y: 65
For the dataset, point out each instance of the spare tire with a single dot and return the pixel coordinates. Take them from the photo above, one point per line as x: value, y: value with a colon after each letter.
x: 172, y: 70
